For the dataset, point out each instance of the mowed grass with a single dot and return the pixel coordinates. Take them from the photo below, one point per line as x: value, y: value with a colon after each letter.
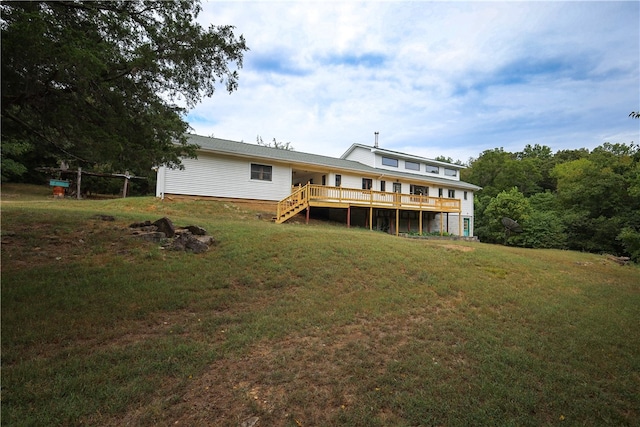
x: 300, y: 325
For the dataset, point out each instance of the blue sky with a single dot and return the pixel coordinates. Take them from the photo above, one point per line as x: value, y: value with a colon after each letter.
x: 434, y: 78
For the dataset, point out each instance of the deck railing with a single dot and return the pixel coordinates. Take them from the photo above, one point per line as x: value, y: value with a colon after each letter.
x: 302, y: 197
x: 380, y: 199
x: 292, y: 204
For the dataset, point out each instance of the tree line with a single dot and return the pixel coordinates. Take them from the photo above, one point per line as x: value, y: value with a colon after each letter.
x: 573, y: 199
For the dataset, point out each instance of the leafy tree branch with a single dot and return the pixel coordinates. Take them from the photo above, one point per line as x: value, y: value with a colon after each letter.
x: 109, y: 82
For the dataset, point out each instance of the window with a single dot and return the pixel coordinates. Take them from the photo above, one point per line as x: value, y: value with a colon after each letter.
x: 433, y: 169
x: 324, y: 179
x: 439, y: 192
x: 338, y: 180
x: 465, y: 195
x: 397, y: 187
x: 412, y: 165
x: 367, y: 183
x: 419, y: 190
x: 452, y: 194
x: 261, y: 172
x: 383, y: 185
x: 390, y: 162
x: 450, y: 172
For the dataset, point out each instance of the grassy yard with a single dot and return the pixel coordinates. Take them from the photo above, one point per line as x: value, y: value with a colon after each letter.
x: 300, y: 325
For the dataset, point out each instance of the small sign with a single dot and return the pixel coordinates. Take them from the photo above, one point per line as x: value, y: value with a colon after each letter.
x: 58, y: 183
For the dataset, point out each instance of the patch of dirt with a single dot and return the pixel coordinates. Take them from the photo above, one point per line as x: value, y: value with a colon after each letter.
x: 30, y: 244
x: 298, y: 380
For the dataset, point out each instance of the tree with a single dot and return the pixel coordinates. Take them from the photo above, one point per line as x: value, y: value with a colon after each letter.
x: 484, y: 170
x: 540, y: 158
x: 99, y: 82
x: 275, y: 144
x: 511, y: 204
x: 544, y: 227
x: 449, y: 160
x: 599, y: 198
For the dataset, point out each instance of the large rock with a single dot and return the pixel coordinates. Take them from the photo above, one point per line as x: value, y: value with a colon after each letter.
x: 147, y: 223
x: 190, y: 243
x: 165, y: 226
x: 151, y: 236
x: 191, y: 238
x: 196, y: 230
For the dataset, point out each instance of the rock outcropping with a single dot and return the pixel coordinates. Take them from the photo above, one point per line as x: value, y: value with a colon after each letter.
x: 191, y: 238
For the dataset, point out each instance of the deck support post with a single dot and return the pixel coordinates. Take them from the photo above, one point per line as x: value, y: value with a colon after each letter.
x: 370, y: 218
x: 460, y: 223
x: 349, y: 216
x: 308, y: 211
x: 397, y: 222
x: 441, y: 223
x: 420, y: 223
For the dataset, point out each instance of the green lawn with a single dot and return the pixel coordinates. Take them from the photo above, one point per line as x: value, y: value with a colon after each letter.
x: 298, y: 325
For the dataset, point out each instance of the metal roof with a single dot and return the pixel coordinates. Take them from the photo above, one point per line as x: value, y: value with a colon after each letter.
x: 254, y: 151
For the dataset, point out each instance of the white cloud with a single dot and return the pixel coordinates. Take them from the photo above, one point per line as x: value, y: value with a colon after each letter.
x: 433, y: 78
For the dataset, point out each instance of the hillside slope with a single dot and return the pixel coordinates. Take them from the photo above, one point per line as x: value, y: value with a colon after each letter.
x: 303, y: 325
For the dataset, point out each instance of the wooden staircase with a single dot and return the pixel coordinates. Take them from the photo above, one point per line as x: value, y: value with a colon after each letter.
x: 293, y: 204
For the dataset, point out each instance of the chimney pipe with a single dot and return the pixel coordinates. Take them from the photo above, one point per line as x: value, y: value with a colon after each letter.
x: 375, y: 144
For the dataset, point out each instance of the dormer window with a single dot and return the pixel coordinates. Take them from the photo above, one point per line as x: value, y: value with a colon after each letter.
x: 388, y: 161
x: 412, y: 165
x: 450, y: 172
x: 433, y: 169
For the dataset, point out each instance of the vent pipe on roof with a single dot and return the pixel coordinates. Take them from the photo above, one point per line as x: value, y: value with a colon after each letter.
x: 375, y: 144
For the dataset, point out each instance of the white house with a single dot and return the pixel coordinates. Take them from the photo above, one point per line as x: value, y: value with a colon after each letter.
x: 367, y: 186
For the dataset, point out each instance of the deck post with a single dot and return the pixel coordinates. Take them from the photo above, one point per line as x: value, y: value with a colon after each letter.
x: 370, y: 217
x: 420, y: 222
x: 349, y: 216
x: 441, y: 223
x: 460, y: 223
x: 397, y: 222
x: 307, y: 219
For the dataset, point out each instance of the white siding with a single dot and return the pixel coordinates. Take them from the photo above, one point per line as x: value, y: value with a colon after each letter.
x: 362, y: 155
x: 352, y: 181
x: 225, y: 177
x: 467, y: 205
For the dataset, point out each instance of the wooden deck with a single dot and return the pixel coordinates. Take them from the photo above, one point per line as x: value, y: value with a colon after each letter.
x: 311, y: 195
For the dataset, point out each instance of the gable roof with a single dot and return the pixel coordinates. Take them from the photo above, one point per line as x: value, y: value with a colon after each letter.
x: 254, y: 151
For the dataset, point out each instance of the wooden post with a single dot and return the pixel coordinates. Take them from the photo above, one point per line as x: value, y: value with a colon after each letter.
x: 441, y: 223
x: 349, y: 216
x: 370, y: 217
x: 397, y: 222
x: 78, y: 182
x: 126, y: 184
x: 420, y: 223
x: 308, y: 209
